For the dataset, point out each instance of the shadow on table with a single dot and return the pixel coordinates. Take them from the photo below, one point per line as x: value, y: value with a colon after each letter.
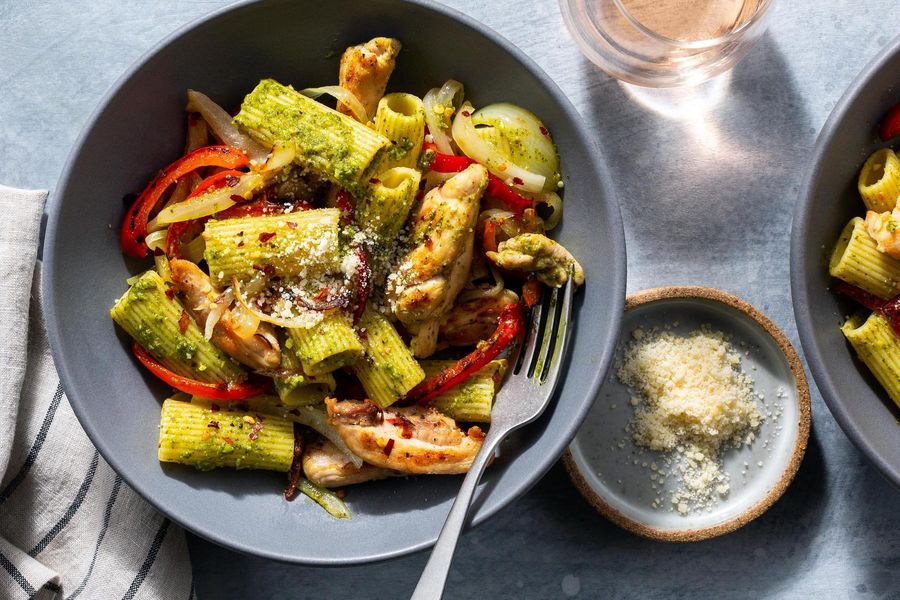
x: 711, y: 178
x: 753, y: 561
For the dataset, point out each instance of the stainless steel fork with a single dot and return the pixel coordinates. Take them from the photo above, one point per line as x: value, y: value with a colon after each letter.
x: 521, y: 400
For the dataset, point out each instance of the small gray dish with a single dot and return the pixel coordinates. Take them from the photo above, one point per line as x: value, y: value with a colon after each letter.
x: 139, y: 128
x: 619, y: 478
x: 828, y: 200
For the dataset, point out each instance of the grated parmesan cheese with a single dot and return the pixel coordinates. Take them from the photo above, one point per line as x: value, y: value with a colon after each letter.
x: 691, y: 401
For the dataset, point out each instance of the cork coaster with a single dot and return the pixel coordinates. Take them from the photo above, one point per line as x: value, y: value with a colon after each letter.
x: 625, y: 501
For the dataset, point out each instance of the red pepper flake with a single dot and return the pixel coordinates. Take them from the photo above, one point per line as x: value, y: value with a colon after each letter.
x: 158, y: 252
x: 517, y: 181
x: 404, y: 424
x: 240, y: 244
x: 240, y: 233
x: 237, y: 198
x: 183, y: 322
x: 265, y: 236
x: 291, y: 225
x: 231, y: 180
x: 170, y: 294
x: 213, y: 424
x: 214, y: 407
x: 321, y: 294
x: 389, y: 447
x: 227, y: 440
x: 544, y: 130
x: 466, y: 113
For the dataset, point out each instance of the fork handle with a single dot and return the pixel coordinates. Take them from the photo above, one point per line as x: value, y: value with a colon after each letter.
x: 434, y: 576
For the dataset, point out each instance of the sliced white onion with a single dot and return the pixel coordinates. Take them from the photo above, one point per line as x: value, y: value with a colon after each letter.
x: 253, y: 288
x: 217, y: 309
x: 280, y: 157
x: 197, y: 136
x: 466, y: 137
x: 219, y: 121
x: 134, y: 279
x: 317, y: 419
x: 435, y: 102
x: 162, y: 267
x: 344, y: 96
x: 157, y: 239
x: 212, y: 202
x: 555, y: 203
x: 491, y: 292
x: 520, y: 137
x: 243, y: 322
x: 193, y: 250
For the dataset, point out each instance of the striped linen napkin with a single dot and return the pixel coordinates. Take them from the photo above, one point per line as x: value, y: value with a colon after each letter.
x: 69, y: 526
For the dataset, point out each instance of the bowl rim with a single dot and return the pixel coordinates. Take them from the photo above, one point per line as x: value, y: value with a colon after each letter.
x: 801, y: 385
x: 799, y: 290
x: 616, y: 280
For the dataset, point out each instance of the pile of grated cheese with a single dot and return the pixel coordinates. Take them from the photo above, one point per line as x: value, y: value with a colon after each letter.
x: 691, y: 401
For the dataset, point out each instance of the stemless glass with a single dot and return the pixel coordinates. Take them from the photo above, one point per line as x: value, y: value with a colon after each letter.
x: 665, y: 43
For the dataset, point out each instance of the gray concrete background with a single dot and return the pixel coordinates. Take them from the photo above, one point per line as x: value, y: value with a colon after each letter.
x: 706, y: 199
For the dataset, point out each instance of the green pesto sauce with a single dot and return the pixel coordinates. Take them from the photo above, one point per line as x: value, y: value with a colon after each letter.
x: 400, y: 148
x: 148, y: 338
x: 185, y: 350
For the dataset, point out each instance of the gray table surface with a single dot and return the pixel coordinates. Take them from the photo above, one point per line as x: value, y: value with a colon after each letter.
x: 706, y: 199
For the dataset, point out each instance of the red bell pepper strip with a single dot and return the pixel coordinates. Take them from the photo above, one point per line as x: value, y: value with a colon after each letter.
x: 489, y: 237
x: 213, y: 391
x: 890, y: 309
x: 134, y: 226
x: 870, y: 301
x: 445, y: 163
x: 510, y: 325
x: 219, y: 180
x: 890, y: 125
x: 531, y: 291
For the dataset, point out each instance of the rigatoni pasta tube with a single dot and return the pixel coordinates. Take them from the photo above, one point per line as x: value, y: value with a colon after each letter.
x: 473, y: 398
x: 878, y: 347
x: 155, y: 320
x: 302, y: 243
x: 857, y: 261
x: 401, y: 119
x: 327, y: 346
x: 879, y: 181
x: 384, y: 211
x: 298, y: 388
x: 326, y: 141
x: 388, y: 370
x: 197, y: 435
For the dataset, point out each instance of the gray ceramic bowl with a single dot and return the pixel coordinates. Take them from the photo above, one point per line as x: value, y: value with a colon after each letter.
x: 827, y: 202
x: 139, y: 128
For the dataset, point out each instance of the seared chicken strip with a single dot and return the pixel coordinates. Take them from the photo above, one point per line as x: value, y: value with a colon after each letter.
x: 885, y: 230
x: 365, y: 70
x: 327, y: 466
x: 474, y: 320
x: 409, y: 439
x: 260, y: 351
x: 538, y: 254
x: 434, y: 271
